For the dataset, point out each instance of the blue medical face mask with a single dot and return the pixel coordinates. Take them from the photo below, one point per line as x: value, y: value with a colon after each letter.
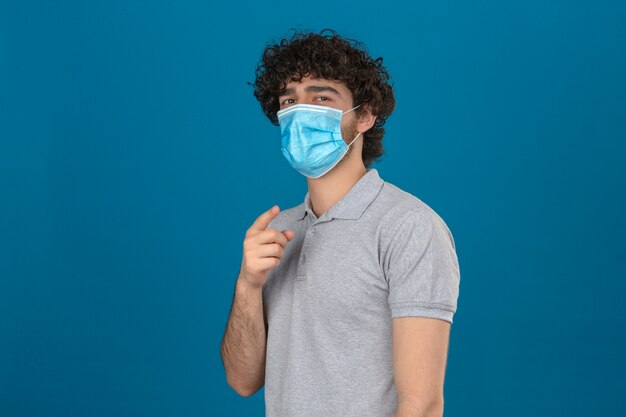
x: 311, y: 138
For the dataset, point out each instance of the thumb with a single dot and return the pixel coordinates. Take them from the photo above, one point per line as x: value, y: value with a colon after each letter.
x: 289, y: 234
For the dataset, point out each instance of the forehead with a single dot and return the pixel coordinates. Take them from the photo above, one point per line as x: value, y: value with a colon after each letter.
x: 294, y: 86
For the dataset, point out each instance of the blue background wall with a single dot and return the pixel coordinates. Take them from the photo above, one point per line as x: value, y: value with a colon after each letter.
x: 133, y: 156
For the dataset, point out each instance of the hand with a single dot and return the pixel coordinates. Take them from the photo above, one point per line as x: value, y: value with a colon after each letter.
x: 263, y: 249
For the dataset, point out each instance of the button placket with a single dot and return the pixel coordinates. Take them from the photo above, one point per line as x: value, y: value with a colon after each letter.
x: 301, y: 273
x: 310, y: 233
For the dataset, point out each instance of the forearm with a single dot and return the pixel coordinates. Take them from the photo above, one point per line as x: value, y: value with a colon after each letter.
x: 413, y: 408
x: 244, y: 342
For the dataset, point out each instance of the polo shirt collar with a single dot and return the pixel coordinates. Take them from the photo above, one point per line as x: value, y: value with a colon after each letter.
x: 354, y: 203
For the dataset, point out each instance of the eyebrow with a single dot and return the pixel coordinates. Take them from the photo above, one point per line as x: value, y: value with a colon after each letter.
x: 310, y: 89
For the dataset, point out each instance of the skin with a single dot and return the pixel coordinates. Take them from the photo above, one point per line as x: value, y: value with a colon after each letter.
x: 420, y: 345
x: 244, y: 342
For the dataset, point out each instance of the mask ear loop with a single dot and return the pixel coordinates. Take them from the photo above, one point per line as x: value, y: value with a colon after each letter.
x: 353, y: 140
x: 348, y: 111
x: 359, y: 132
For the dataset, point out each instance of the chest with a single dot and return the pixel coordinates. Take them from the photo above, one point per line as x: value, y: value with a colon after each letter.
x: 330, y: 272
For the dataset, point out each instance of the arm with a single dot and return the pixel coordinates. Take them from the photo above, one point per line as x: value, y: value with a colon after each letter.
x: 420, y: 347
x: 244, y: 342
x: 422, y: 271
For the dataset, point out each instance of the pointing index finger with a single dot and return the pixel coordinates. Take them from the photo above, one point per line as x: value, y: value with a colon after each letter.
x: 265, y: 218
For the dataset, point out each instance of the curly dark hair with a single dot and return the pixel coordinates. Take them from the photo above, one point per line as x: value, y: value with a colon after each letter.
x: 331, y: 57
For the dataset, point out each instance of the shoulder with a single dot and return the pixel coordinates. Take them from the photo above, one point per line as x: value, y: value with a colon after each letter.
x: 405, y: 210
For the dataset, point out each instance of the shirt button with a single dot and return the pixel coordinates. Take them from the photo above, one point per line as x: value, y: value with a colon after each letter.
x: 312, y: 232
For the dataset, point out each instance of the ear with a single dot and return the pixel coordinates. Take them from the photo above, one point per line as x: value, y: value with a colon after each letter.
x: 366, y: 119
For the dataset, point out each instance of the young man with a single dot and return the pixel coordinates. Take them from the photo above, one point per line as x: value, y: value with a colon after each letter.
x: 344, y: 303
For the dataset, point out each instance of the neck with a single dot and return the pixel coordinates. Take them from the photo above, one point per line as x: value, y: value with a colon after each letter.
x: 325, y: 191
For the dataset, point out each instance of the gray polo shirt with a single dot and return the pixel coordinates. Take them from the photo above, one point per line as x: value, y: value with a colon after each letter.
x: 377, y: 254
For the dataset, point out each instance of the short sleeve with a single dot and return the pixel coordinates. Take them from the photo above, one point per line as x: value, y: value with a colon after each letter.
x: 421, y: 267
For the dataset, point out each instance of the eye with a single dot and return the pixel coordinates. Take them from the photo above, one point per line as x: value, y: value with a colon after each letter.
x: 324, y: 97
x: 284, y: 101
